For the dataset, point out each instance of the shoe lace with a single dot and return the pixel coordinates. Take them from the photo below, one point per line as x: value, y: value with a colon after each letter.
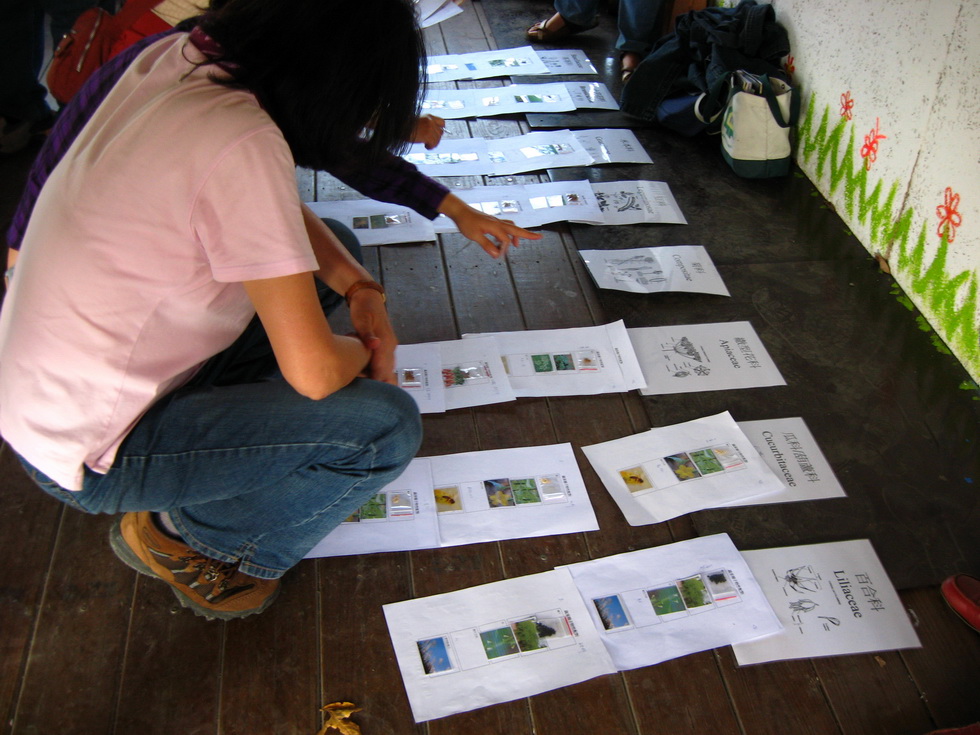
x: 211, y: 571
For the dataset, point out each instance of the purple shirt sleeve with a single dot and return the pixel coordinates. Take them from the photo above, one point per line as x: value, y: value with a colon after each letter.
x: 392, y: 180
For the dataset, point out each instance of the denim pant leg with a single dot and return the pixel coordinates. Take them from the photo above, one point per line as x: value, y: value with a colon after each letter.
x: 257, y: 473
x: 639, y: 25
x: 579, y: 12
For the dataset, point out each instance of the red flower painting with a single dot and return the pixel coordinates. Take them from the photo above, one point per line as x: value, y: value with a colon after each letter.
x: 869, y: 151
x: 846, y: 105
x: 949, y: 216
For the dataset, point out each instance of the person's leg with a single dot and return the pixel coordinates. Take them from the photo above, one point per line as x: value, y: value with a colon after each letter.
x: 256, y: 474
x: 579, y: 12
x: 570, y: 17
x: 639, y: 25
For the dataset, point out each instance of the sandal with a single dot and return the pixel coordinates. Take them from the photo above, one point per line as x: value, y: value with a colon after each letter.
x: 541, y: 33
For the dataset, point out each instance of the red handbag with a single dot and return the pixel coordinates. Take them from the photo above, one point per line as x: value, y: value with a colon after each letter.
x: 86, y: 46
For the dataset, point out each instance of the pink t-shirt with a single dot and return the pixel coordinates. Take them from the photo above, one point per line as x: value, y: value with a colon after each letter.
x: 176, y: 191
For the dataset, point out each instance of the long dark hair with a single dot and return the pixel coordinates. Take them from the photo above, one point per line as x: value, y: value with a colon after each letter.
x: 325, y: 70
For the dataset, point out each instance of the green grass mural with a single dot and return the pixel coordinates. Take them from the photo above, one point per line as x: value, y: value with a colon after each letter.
x: 949, y: 300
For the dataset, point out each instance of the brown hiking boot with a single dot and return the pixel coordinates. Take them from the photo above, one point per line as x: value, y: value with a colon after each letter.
x: 210, y: 588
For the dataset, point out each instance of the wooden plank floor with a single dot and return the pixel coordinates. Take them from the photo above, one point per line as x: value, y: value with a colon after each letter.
x: 88, y: 647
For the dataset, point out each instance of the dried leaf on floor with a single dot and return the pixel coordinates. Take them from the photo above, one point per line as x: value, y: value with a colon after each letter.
x: 337, y: 718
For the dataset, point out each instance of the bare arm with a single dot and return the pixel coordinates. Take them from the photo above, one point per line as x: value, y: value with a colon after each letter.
x: 314, y: 360
x: 480, y: 227
x: 339, y: 270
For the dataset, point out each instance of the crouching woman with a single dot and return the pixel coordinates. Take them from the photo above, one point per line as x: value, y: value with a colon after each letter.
x: 164, y: 346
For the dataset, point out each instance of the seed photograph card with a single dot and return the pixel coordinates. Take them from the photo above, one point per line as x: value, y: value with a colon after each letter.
x: 400, y: 517
x: 513, y: 99
x: 494, y: 643
x: 529, y: 205
x: 537, y: 151
x: 673, y: 600
x: 636, y: 202
x: 672, y: 470
x: 502, y: 494
x: 473, y: 373
x: 651, y: 270
x: 377, y: 223
x: 569, y: 362
x: 485, y: 64
x: 699, y: 357
x: 452, y: 157
x: 832, y: 599
x: 418, y: 370
x: 794, y: 456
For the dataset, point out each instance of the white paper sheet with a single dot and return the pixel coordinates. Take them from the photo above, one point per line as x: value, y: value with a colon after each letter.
x: 566, y: 61
x: 473, y: 373
x: 529, y: 205
x: 536, y: 151
x: 452, y: 157
x: 517, y: 98
x: 401, y: 517
x: 832, y: 599
x: 637, y: 202
x: 418, y: 369
x: 469, y: 498
x: 510, y: 493
x: 485, y: 64
x: 494, y: 643
x: 669, y: 601
x: 699, y: 357
x: 672, y: 470
x: 651, y: 270
x: 524, y: 153
x: 613, y: 145
x: 377, y: 223
x: 591, y: 96
x: 443, y: 11
x: 569, y: 362
x: 795, y: 458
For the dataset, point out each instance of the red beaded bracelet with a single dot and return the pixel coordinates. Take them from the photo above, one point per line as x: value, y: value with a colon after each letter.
x: 358, y: 285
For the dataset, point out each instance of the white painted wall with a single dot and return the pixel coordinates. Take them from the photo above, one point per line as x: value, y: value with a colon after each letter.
x: 911, y: 69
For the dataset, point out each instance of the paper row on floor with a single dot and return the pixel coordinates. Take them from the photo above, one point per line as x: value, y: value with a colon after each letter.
x: 524, y: 492
x: 483, y: 369
x: 519, y: 637
x: 527, y: 205
x: 523, y: 61
x: 530, y: 152
x: 453, y: 104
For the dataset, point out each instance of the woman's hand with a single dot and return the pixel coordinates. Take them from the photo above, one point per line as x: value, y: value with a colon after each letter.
x: 428, y: 130
x: 373, y: 328
x: 492, y: 234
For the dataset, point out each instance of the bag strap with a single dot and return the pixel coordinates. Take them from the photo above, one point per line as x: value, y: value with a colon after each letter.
x: 131, y: 11
x: 794, y: 103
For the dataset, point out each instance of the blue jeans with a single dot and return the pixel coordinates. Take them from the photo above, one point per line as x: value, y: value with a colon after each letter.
x: 249, y: 470
x: 638, y: 20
